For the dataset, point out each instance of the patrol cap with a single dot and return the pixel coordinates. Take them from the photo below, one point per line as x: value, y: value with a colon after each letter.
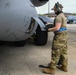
x: 57, y: 5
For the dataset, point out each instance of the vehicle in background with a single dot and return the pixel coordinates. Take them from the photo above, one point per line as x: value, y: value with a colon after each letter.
x: 74, y: 21
x: 71, y: 19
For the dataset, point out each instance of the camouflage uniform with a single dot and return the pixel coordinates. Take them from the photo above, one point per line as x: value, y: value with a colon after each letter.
x: 59, y: 44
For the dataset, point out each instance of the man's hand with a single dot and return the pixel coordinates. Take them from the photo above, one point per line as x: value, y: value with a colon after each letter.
x: 49, y: 26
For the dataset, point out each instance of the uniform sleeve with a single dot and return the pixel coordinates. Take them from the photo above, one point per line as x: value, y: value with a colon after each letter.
x: 58, y: 20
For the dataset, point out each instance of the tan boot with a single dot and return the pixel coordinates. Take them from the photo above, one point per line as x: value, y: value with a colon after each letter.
x: 63, y: 68
x: 49, y: 64
x: 59, y: 64
x: 48, y: 71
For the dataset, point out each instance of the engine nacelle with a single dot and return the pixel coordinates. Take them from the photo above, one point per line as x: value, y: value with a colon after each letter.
x: 39, y: 2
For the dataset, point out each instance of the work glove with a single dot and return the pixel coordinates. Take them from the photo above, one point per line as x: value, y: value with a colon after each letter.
x: 49, y: 26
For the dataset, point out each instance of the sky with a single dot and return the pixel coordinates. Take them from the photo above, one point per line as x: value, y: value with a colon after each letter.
x: 69, y: 6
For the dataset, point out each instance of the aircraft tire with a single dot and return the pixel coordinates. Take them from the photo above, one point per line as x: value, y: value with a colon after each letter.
x: 1, y: 43
x: 40, y: 37
x: 20, y: 43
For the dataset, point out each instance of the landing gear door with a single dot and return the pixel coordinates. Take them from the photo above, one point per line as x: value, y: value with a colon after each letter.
x: 46, y: 19
x: 41, y: 24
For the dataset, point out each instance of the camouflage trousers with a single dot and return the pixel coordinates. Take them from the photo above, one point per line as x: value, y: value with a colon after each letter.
x: 59, y: 49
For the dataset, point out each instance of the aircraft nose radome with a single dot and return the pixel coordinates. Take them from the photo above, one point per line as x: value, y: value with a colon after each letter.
x: 15, y: 17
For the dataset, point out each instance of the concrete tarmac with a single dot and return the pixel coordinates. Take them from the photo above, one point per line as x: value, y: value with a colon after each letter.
x: 26, y: 60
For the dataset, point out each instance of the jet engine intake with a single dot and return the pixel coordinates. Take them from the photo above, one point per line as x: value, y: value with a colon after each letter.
x: 37, y: 3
